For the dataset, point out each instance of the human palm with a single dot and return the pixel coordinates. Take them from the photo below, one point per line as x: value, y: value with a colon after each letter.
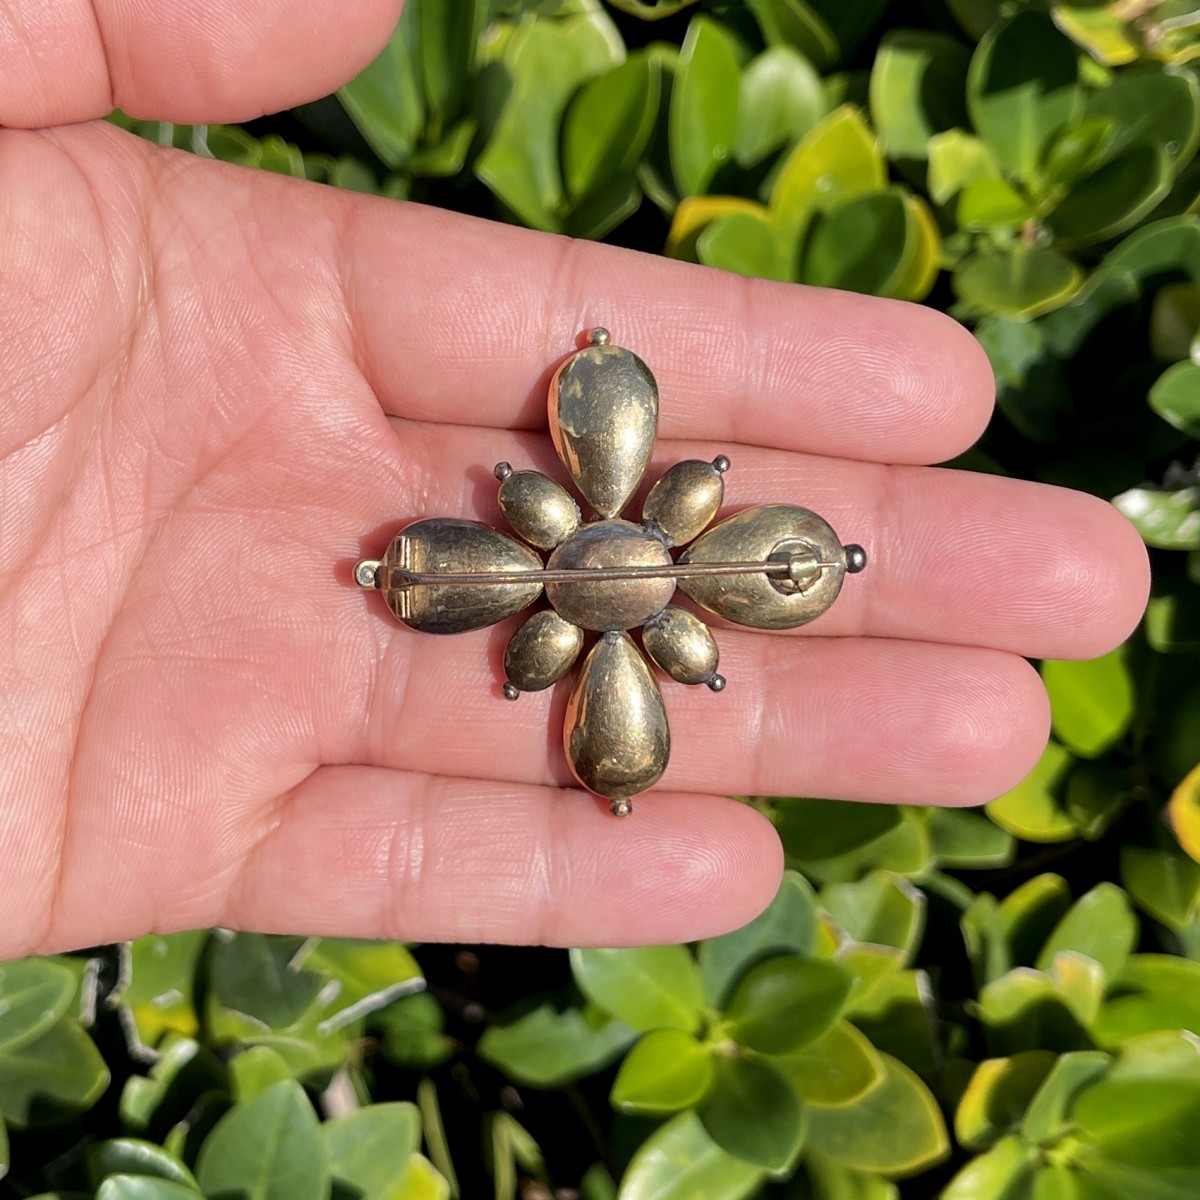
x: 220, y: 388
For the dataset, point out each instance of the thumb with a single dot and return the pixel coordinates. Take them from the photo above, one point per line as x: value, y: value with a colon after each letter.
x: 190, y: 61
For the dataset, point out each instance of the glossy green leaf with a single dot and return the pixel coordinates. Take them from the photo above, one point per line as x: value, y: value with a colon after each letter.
x: 833, y: 1181
x: 965, y: 839
x: 421, y: 1180
x: 1151, y: 107
x: 997, y: 1096
x: 34, y: 994
x: 57, y: 1075
x: 992, y: 204
x: 144, y: 1187
x: 826, y: 829
x: 1024, y: 1010
x: 159, y: 997
x: 1146, y: 1110
x: 1031, y: 912
x: 865, y: 245
x: 647, y: 987
x: 957, y: 160
x: 680, y: 1161
x: 1005, y: 1172
x: 253, y: 974
x: 794, y: 23
x: 607, y: 126
x: 786, y: 1002
x: 1164, y: 883
x: 368, y: 1148
x: 1100, y: 30
x: 895, y: 1130
x: 788, y: 924
x: 1176, y: 397
x: 268, y: 1149
x: 917, y: 85
x: 703, y: 114
x: 1035, y: 808
x: 547, y: 1047
x: 362, y: 977
x: 746, y: 244
x: 132, y: 1156
x: 254, y: 1070
x: 1022, y: 88
x: 1023, y: 282
x: 1101, y: 925
x: 752, y: 1112
x: 779, y: 101
x: 1175, y: 322
x: 881, y: 908
x: 1167, y: 519
x: 896, y: 1012
x: 667, y: 1070
x: 838, y: 1068
x: 412, y: 1032
x: 1113, y: 198
x: 1079, y: 149
x: 1154, y: 992
x: 446, y: 43
x: 1049, y: 1112
x: 546, y: 62
x: 1092, y: 701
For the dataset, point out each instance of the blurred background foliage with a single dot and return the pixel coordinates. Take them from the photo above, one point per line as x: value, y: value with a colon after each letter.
x: 976, y: 1005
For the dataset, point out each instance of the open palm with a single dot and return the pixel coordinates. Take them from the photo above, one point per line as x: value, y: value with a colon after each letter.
x: 219, y: 388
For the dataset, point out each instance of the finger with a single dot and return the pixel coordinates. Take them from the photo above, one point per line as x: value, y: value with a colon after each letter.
x: 461, y: 320
x: 187, y: 60
x: 367, y: 852
x: 952, y: 556
x: 842, y: 718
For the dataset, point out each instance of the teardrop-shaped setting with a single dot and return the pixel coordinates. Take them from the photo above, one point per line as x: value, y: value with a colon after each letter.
x: 685, y: 500
x: 681, y: 644
x: 541, y: 651
x: 445, y: 545
x: 773, y: 531
x: 603, y: 411
x: 616, y: 734
x: 538, y: 509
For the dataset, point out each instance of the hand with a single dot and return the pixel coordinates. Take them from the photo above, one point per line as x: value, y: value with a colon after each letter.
x: 218, y: 388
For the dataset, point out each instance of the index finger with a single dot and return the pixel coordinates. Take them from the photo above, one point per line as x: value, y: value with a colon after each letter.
x: 460, y: 320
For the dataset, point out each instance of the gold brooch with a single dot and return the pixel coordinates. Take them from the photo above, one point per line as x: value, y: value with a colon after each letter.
x: 772, y: 567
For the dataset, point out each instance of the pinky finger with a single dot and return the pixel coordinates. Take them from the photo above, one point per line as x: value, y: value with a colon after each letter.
x: 371, y: 852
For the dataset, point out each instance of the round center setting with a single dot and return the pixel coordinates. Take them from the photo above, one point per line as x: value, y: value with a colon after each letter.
x: 606, y: 605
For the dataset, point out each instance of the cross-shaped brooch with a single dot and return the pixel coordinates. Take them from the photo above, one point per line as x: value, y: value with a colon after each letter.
x: 772, y: 567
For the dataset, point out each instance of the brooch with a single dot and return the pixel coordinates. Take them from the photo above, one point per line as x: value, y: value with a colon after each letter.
x: 771, y: 567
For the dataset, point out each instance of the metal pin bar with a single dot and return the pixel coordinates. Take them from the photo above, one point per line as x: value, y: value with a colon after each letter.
x: 399, y: 578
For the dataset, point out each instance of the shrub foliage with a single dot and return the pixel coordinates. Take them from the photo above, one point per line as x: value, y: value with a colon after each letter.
x: 982, y: 1006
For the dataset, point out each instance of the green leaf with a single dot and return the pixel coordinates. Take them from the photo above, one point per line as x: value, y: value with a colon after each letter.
x: 1034, y: 809
x: 56, y: 1076
x: 752, y: 1112
x: 256, y: 1069
x: 864, y: 245
x: 788, y: 924
x: 1023, y: 281
x: 1005, y: 1172
x: 608, y: 124
x: 268, y: 1149
x: 830, y: 828
x: 963, y: 839
x: 1024, y: 1010
x: 667, y: 1070
x: 132, y: 1156
x: 546, y: 61
x: 1175, y: 322
x: 1114, y: 197
x: 159, y: 997
x: 369, y: 1147
x: 1030, y: 914
x: 1022, y: 88
x: 5, y: 1158
x: 1079, y: 149
x: 784, y: 1003
x: 367, y: 976
x: 1176, y: 397
x: 997, y: 1096
x: 384, y: 101
x: 34, y: 994
x: 882, y: 908
x: 144, y: 1187
x: 703, y: 114
x: 746, y: 244
x: 1164, y: 883
x: 917, y: 84
x: 1101, y: 31
x: 647, y: 987
x: 992, y: 204
x: 1167, y: 519
x: 421, y: 1180
x: 548, y: 1048
x: 1101, y: 926
x: 794, y: 23
x: 896, y: 1012
x: 412, y: 1032
x: 680, y: 1161
x: 254, y: 974
x: 1146, y: 1111
x: 956, y: 160
x: 1151, y: 107
x: 447, y: 39
x: 1092, y: 702
x: 1049, y: 1111
x: 1155, y: 992
x: 779, y: 101
x: 895, y: 1130
x: 839, y: 1068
